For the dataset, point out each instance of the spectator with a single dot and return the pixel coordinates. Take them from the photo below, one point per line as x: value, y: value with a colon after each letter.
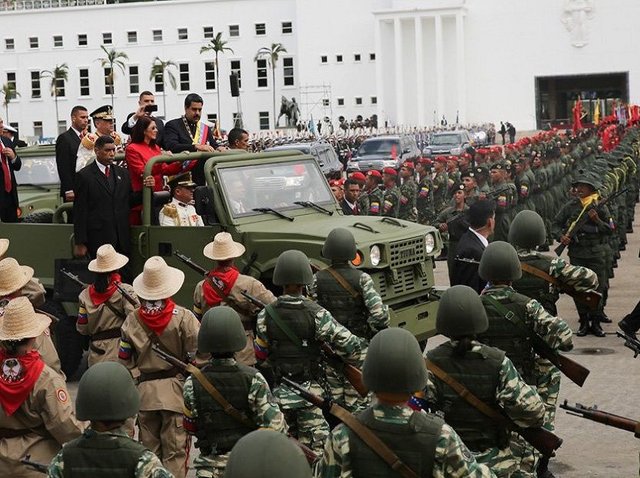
x: 146, y: 106
x: 67, y: 146
x: 511, y: 131
x: 9, y: 163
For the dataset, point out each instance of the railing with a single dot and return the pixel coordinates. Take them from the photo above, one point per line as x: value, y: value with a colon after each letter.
x: 19, y: 5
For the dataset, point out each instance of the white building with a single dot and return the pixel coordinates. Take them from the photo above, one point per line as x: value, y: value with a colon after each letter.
x: 408, y: 61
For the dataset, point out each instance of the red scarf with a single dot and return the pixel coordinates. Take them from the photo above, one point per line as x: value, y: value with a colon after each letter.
x: 227, y: 277
x: 158, y: 321
x: 14, y: 390
x: 101, y: 297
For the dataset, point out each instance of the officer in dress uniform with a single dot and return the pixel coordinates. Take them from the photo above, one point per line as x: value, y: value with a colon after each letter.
x: 180, y: 211
x: 104, y: 121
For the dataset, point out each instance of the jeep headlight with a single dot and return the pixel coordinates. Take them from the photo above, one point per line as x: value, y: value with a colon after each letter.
x: 429, y: 243
x: 374, y: 255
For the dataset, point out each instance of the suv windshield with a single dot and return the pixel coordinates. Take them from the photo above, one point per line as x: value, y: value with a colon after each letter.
x: 378, y: 146
x: 40, y: 171
x: 276, y: 186
x: 446, y: 139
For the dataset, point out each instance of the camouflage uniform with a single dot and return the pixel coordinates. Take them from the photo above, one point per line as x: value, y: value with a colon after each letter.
x: 440, y: 191
x: 408, y: 197
x: 452, y: 458
x: 265, y: 414
x: 370, y: 202
x: 149, y: 465
x: 391, y: 202
x: 424, y: 201
x: 504, y: 196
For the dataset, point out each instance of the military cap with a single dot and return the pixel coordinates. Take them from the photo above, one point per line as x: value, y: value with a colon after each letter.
x: 467, y: 173
x: 9, y: 128
x: 183, y: 180
x: 408, y: 165
x: 498, y: 165
x: 465, y: 156
x: 457, y: 187
x: 390, y: 171
x: 425, y: 161
x: 482, y: 151
x: 357, y: 176
x: 584, y: 177
x: 104, y: 112
x: 441, y: 159
x: 481, y: 171
x: 374, y: 172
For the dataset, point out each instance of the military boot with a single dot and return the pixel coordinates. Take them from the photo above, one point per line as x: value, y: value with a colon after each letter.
x: 584, y: 327
x: 543, y: 470
x: 628, y: 327
x: 595, y: 328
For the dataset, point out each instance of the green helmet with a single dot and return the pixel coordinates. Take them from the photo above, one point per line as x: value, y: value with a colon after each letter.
x: 500, y: 263
x: 394, y: 363
x: 106, y: 392
x: 527, y: 230
x: 461, y: 313
x: 266, y: 454
x: 340, y: 245
x: 586, y: 178
x: 292, y: 267
x: 221, y: 331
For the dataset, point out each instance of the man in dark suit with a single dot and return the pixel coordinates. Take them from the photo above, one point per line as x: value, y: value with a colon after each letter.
x: 146, y: 106
x: 481, y: 218
x: 188, y: 133
x: 101, y: 207
x: 349, y: 203
x: 67, y: 151
x: 9, y: 162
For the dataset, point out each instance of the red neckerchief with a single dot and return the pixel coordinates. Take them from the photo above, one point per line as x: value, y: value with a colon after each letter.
x: 18, y: 379
x: 158, y: 321
x: 101, y: 297
x: 228, y: 278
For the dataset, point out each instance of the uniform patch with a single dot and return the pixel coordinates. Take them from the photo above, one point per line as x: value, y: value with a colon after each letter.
x: 61, y: 395
x: 404, y: 200
x: 11, y: 370
x: 375, y: 208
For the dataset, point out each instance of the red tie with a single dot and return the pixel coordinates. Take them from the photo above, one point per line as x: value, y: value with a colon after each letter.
x: 106, y: 171
x: 6, y: 173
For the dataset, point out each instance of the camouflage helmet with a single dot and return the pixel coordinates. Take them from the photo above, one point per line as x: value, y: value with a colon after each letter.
x: 221, y: 331
x: 527, y: 230
x: 394, y: 363
x: 340, y: 245
x: 461, y: 313
x: 106, y: 392
x: 266, y: 454
x: 500, y: 263
x: 292, y: 267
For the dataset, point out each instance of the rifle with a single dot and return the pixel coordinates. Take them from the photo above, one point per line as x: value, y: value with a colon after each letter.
x: 609, y: 419
x: 631, y: 343
x: 228, y: 408
x: 39, y: 467
x: 126, y: 295
x: 583, y: 218
x: 74, y: 278
x: 352, y: 373
x: 187, y: 260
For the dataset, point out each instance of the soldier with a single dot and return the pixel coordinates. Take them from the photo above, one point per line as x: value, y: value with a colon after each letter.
x: 391, y: 203
x: 36, y: 416
x: 216, y: 430
x: 174, y: 329
x: 350, y: 297
x: 180, y: 211
x: 289, y: 333
x: 102, y: 308
x: 408, y: 193
x: 103, y: 120
x: 588, y: 246
x: 440, y: 184
x: 393, y: 370
x: 371, y: 200
x: 452, y: 223
x: 424, y: 202
x: 266, y: 454
x: 471, y: 192
x: 484, y: 371
x: 482, y: 176
x: 107, y: 397
x: 226, y: 287
x: 502, y: 193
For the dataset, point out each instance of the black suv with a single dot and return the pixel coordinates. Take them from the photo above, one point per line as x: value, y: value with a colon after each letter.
x: 323, y: 152
x: 384, y: 152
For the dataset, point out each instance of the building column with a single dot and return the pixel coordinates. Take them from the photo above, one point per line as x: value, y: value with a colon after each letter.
x: 382, y: 114
x: 419, y: 71
x: 461, y: 82
x: 439, y: 68
x: 397, y: 33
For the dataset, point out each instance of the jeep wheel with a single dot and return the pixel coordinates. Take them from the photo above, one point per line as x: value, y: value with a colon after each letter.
x: 69, y: 343
x: 41, y: 217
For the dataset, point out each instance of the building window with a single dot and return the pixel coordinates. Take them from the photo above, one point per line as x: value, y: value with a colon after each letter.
x: 261, y: 29
x: 183, y: 34
x: 261, y: 65
x: 82, y: 39
x: 357, y: 57
x: 236, y: 120
x: 287, y: 66
x: 84, y: 81
x: 62, y: 126
x: 11, y: 81
x: 9, y: 44
x: 108, y: 83
x: 183, y: 68
x: 208, y: 33
x: 324, y: 59
x: 132, y: 37
x: 158, y: 83
x: 234, y: 30
x: 107, y: 38
x: 372, y: 57
x: 358, y: 100
x: 212, y: 117
x: 338, y: 58
x: 209, y: 75
x: 374, y: 100
x: 157, y: 35
x: 235, y: 68
x: 263, y: 119
x: 57, y: 42
x: 325, y: 101
x: 340, y: 101
x: 35, y: 84
x: 287, y: 27
x: 134, y: 80
x: 60, y: 87
x: 37, y: 129
x: 33, y: 42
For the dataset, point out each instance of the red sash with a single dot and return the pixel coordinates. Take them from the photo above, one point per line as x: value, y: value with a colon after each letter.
x: 226, y: 277
x: 158, y: 321
x: 101, y: 297
x: 18, y: 378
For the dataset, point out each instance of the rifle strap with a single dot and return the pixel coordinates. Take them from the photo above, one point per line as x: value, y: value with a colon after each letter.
x: 510, y: 316
x: 370, y: 439
x: 282, y: 325
x: 343, y: 282
x: 118, y: 313
x: 153, y: 338
x: 539, y: 273
x: 217, y: 396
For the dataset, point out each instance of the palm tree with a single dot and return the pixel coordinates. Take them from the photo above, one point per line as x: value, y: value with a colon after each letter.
x: 217, y: 46
x: 114, y: 58
x: 58, y: 76
x: 161, y: 68
x: 9, y: 92
x: 272, y: 54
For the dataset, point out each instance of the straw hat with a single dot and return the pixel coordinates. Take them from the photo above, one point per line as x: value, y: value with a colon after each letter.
x: 13, y: 276
x: 107, y: 260
x: 158, y: 280
x: 20, y: 321
x: 223, y: 248
x: 4, y: 245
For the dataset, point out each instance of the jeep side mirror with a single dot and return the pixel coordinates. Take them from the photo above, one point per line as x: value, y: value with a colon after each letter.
x: 203, y: 198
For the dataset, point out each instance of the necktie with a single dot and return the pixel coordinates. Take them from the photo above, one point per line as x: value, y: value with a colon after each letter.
x: 6, y: 173
x: 106, y: 171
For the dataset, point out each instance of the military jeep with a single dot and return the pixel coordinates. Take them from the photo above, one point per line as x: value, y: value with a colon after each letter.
x: 270, y: 202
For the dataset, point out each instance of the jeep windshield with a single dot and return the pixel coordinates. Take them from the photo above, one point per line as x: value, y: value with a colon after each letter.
x: 447, y: 139
x: 278, y: 186
x: 377, y: 147
x: 38, y: 171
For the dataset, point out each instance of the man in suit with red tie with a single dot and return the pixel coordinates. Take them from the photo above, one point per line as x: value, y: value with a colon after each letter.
x: 349, y: 203
x: 9, y: 162
x: 67, y: 151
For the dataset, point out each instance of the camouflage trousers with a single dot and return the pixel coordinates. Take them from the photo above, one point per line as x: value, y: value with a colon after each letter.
x: 210, y: 466
x: 343, y: 393
x: 161, y: 432
x: 500, y: 460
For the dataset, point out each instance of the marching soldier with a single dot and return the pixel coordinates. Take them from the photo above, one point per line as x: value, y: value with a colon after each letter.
x: 174, y: 329
x: 440, y: 184
x: 503, y: 194
x: 391, y: 202
x: 244, y: 388
x: 108, y: 398
x: 408, y: 193
x: 424, y: 201
x: 289, y: 333
x: 180, y: 211
x: 371, y: 200
x: 103, y: 308
x: 36, y: 416
x: 225, y: 286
